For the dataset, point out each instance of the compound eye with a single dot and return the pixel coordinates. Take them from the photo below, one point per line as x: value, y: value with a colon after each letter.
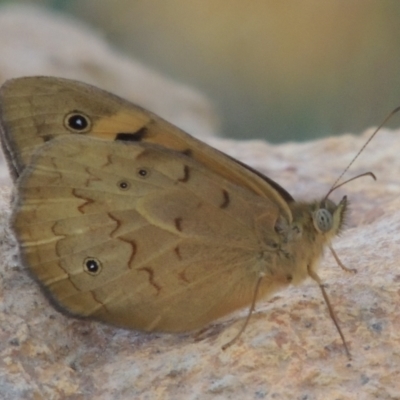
x: 323, y: 220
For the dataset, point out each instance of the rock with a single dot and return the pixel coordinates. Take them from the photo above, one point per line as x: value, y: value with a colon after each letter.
x: 37, y: 42
x: 290, y: 350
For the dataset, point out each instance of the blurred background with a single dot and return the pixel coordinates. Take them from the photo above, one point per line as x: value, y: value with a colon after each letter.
x: 277, y: 70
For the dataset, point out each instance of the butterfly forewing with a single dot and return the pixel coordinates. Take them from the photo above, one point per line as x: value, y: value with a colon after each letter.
x: 34, y: 110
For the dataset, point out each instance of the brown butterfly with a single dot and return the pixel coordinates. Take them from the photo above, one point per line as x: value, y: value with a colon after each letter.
x: 150, y: 228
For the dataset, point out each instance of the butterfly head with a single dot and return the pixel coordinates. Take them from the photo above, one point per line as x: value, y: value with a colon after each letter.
x: 328, y: 218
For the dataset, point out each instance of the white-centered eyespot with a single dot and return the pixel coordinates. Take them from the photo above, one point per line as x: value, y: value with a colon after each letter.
x: 92, y: 266
x: 124, y: 185
x: 77, y: 122
x: 143, y: 172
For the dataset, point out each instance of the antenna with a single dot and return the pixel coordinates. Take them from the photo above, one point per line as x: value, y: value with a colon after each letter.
x: 349, y: 180
x: 335, y: 184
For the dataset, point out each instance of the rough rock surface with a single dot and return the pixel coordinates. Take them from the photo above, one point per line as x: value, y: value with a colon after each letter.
x: 290, y: 349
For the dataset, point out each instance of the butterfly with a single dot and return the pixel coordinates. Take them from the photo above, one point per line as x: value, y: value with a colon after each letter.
x: 124, y: 218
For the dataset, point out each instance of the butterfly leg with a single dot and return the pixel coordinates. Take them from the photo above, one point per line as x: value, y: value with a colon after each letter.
x: 341, y: 265
x: 251, y: 309
x: 317, y: 279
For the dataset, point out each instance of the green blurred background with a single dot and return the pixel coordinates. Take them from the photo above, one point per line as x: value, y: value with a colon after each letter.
x: 274, y: 69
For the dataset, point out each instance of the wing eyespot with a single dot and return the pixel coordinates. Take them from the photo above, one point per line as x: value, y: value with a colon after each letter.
x: 92, y: 266
x: 124, y: 185
x: 143, y: 173
x: 77, y: 122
